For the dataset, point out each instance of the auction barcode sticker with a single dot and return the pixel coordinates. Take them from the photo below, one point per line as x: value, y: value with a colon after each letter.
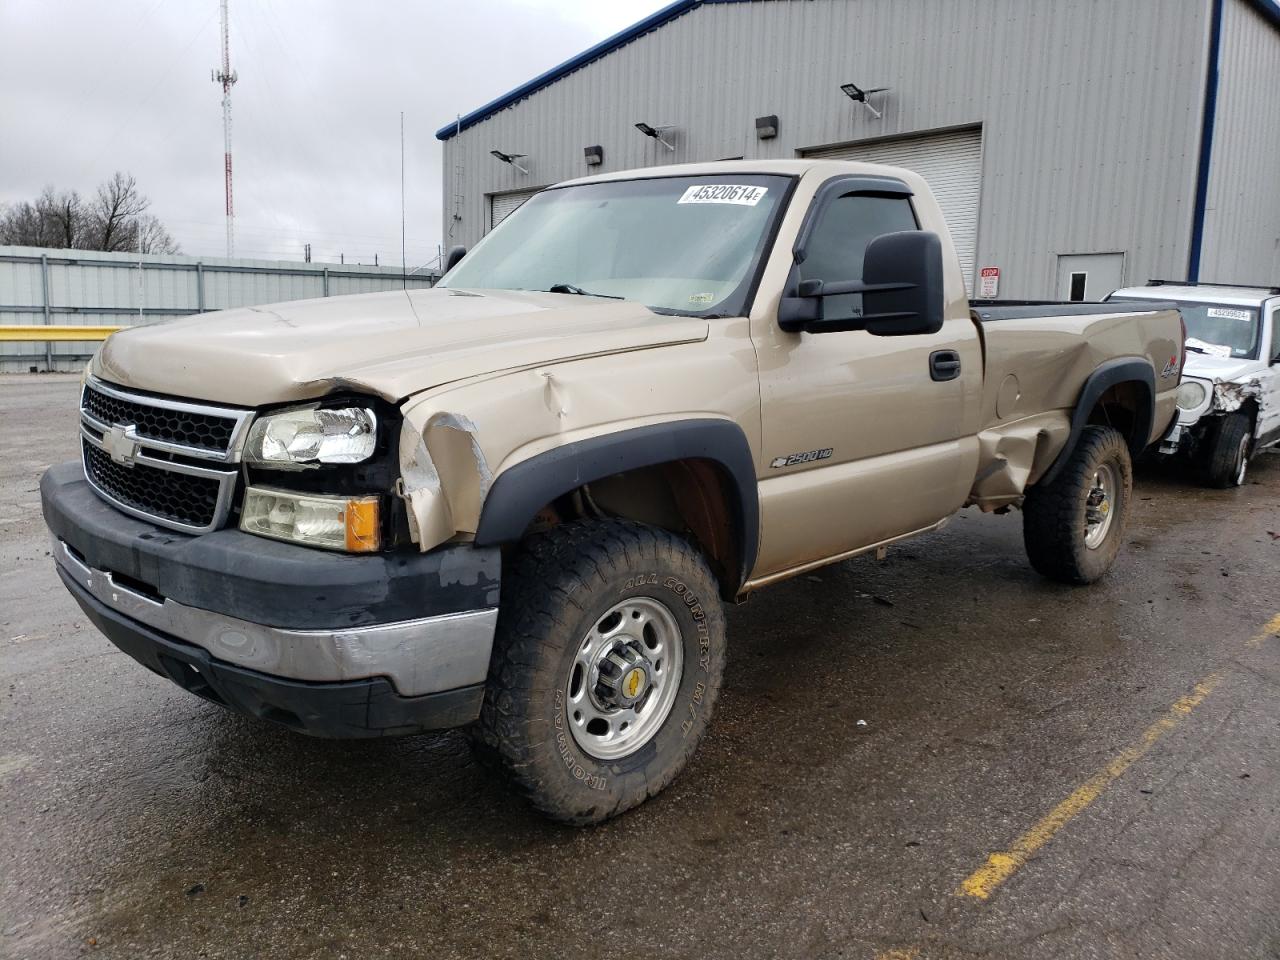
x: 1229, y: 314
x: 738, y: 193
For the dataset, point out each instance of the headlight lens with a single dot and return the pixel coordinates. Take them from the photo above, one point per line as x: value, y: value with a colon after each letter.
x: 335, y: 523
x: 1191, y: 395
x: 312, y: 435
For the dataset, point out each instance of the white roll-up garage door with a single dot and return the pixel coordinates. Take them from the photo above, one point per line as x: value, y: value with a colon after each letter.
x: 951, y: 163
x: 502, y: 205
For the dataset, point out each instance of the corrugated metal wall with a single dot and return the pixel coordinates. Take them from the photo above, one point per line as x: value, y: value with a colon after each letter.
x: 1242, y: 213
x: 1090, y: 112
x: 90, y: 289
x: 951, y: 163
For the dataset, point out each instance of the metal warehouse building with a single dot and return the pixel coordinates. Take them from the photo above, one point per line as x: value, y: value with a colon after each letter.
x: 1075, y: 145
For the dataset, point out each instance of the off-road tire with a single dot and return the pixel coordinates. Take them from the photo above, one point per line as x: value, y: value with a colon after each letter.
x: 1054, y: 514
x: 1227, y: 459
x: 555, y: 587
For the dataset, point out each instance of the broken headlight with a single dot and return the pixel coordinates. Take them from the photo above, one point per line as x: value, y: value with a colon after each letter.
x: 1191, y: 395
x: 309, y: 436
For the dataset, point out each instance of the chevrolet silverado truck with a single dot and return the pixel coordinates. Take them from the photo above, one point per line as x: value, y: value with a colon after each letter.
x: 1229, y: 398
x: 516, y: 502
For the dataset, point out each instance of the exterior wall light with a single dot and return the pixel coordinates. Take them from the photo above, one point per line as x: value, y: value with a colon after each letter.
x: 767, y: 127
x: 858, y: 95
x: 510, y: 158
x: 655, y: 132
x: 594, y: 155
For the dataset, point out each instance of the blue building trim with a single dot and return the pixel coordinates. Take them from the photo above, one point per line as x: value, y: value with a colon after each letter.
x: 1208, y: 116
x: 1269, y: 9
x: 652, y: 22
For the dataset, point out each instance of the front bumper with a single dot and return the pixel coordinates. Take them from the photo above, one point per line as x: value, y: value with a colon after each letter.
x: 329, y: 644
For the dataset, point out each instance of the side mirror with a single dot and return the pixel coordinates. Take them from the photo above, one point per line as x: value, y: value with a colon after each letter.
x: 902, y: 291
x: 453, y: 256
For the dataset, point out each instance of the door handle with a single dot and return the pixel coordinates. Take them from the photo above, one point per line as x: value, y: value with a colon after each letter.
x: 944, y: 365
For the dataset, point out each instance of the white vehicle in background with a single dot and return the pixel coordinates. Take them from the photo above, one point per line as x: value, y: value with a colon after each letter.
x: 1229, y: 399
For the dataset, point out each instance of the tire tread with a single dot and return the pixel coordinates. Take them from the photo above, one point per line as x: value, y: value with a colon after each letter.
x: 1051, y: 512
x: 546, y: 578
x: 1220, y: 467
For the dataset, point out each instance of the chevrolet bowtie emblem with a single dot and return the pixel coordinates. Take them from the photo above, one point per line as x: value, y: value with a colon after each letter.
x: 121, y: 444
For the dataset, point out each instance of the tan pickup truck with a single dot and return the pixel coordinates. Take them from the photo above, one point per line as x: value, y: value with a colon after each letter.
x: 516, y: 502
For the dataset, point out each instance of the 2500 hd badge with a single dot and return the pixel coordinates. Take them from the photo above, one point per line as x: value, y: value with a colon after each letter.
x: 807, y: 457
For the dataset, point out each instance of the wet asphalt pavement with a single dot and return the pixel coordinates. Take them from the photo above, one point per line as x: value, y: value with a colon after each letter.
x: 885, y: 728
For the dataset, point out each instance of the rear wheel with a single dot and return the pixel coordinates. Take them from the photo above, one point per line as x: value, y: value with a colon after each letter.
x: 1227, y: 462
x: 606, y: 666
x: 1073, y: 527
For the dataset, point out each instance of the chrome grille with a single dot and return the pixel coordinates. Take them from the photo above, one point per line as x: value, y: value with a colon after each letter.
x: 183, y: 427
x: 160, y: 494
x: 150, y: 456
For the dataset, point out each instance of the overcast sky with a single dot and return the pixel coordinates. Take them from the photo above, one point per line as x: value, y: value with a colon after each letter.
x: 88, y: 87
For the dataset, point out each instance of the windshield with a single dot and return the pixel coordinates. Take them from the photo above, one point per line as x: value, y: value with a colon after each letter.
x: 1218, y: 329
x: 686, y: 245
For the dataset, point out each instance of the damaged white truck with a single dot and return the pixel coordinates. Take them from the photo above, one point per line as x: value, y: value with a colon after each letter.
x: 516, y: 502
x: 1229, y: 400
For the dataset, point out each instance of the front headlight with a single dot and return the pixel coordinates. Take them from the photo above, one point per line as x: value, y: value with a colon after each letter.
x: 308, y: 436
x: 335, y: 523
x: 1191, y: 395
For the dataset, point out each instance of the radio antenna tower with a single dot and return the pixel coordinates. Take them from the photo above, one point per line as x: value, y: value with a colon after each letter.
x: 227, y: 77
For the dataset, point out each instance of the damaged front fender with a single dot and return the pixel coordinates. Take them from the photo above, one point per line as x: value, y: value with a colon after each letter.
x: 1231, y: 395
x: 444, y: 477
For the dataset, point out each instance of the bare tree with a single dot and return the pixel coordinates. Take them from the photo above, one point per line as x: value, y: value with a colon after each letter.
x: 115, y: 219
x: 20, y: 224
x: 152, y: 237
x: 114, y: 213
x: 54, y: 220
x: 65, y: 215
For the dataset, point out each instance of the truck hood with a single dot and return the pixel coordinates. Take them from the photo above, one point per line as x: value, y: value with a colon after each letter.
x: 1207, y: 367
x: 390, y: 344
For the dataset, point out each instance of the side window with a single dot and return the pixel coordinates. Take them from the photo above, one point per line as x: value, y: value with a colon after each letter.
x: 840, y: 239
x: 1275, y: 334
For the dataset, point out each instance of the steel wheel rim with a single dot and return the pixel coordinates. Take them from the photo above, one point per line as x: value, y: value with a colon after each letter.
x: 1099, y: 508
x: 1243, y: 457
x: 607, y: 717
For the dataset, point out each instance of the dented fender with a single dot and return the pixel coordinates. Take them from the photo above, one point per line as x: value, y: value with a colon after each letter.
x: 444, y: 476
x: 458, y: 440
x: 1231, y: 395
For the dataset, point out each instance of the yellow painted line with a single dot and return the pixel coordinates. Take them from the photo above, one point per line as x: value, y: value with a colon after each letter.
x: 34, y: 333
x: 909, y: 953
x: 1001, y: 866
x: 1272, y: 629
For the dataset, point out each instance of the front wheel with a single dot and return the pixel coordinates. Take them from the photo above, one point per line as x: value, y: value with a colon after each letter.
x: 1073, y: 527
x: 606, y: 666
x: 1228, y: 458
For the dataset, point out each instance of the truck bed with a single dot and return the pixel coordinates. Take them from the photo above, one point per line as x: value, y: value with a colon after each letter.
x: 1036, y: 359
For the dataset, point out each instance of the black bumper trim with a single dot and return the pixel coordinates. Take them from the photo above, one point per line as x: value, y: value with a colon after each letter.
x: 346, y: 710
x: 266, y: 581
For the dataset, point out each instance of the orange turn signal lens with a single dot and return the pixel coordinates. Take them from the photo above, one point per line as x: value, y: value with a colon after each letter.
x: 362, y: 525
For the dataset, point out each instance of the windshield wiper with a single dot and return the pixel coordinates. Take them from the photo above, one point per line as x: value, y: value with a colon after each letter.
x: 570, y: 288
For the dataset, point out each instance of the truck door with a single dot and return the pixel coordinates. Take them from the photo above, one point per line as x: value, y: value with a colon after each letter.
x: 1268, y: 430
x: 864, y: 438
